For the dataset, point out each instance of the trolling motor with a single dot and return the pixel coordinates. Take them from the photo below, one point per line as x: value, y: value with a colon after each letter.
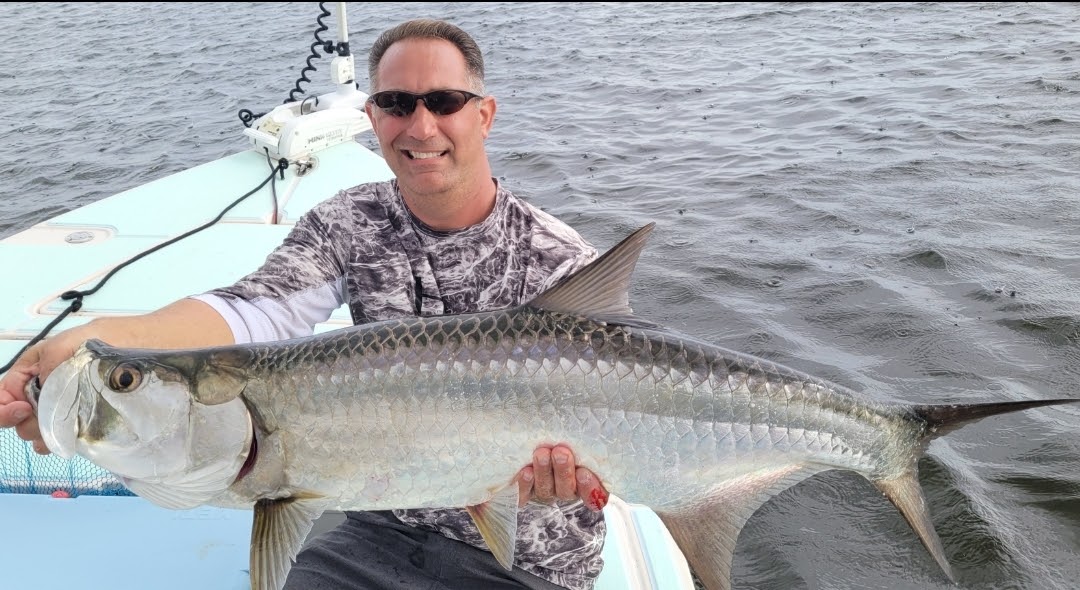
x: 302, y: 127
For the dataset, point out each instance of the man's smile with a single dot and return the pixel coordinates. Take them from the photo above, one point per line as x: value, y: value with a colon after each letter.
x: 414, y: 155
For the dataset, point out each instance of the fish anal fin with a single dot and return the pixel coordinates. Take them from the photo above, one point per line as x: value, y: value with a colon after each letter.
x: 600, y: 291
x: 278, y: 531
x: 706, y: 532
x: 906, y: 494
x: 497, y: 520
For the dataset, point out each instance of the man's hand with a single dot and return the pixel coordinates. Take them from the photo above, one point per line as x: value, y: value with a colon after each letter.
x: 553, y: 476
x: 38, y: 361
x: 15, y: 411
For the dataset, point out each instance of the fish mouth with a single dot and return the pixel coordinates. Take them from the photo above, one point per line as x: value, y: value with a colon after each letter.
x: 57, y: 405
x: 33, y: 392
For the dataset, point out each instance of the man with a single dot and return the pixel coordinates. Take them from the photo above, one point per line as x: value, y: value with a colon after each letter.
x: 443, y: 237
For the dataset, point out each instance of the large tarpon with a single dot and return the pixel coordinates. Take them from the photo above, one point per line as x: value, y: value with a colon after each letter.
x: 444, y: 411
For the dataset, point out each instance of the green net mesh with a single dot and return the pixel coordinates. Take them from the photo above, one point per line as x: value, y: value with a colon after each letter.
x: 22, y: 471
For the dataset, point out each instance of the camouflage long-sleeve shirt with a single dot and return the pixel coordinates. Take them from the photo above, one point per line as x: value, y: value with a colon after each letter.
x: 364, y: 248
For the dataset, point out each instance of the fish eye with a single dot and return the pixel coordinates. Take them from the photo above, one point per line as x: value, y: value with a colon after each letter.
x: 125, y: 377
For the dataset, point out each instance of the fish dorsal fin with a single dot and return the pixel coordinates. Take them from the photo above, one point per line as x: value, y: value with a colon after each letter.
x: 600, y: 291
x: 906, y: 494
x: 278, y: 531
x: 707, y: 531
x: 497, y: 520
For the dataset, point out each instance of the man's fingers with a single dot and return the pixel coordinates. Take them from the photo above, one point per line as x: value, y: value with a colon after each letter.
x: 525, y: 485
x: 27, y: 429
x: 565, y: 481
x: 15, y: 413
x: 543, y: 479
x: 556, y: 476
x: 590, y: 489
x: 13, y: 382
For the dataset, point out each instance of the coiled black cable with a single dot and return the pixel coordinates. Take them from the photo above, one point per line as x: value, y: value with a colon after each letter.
x: 327, y: 47
x: 247, y: 117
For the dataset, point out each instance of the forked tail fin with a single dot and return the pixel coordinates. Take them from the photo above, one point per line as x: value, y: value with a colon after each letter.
x: 943, y: 419
x: 904, y: 490
x: 707, y: 531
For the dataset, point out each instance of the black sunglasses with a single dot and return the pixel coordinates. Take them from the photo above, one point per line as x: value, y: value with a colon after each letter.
x: 440, y: 102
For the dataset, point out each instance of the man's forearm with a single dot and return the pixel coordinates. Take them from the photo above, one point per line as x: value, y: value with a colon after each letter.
x: 187, y: 323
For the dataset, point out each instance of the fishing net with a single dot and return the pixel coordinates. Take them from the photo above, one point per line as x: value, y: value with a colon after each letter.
x: 22, y: 471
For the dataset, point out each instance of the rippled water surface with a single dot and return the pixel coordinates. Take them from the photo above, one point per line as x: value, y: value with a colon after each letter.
x: 885, y: 195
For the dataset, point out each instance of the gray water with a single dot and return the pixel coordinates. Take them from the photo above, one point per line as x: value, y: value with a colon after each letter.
x: 883, y: 195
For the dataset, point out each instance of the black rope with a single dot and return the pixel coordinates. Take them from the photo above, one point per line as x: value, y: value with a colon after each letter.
x: 76, y: 297
x: 273, y: 187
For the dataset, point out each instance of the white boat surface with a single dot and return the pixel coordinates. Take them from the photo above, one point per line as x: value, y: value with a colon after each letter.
x: 100, y: 536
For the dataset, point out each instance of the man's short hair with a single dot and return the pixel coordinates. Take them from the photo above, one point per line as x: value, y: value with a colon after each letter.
x: 430, y: 29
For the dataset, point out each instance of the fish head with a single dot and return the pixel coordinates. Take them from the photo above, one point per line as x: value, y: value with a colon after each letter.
x: 163, y: 422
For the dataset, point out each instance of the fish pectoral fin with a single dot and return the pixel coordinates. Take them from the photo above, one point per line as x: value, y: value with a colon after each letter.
x: 906, y: 494
x: 278, y: 531
x: 707, y: 531
x: 497, y: 520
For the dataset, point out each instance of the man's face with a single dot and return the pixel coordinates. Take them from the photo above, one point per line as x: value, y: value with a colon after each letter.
x: 431, y: 155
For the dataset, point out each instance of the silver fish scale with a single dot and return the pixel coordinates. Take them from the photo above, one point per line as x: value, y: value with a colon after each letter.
x: 439, y: 412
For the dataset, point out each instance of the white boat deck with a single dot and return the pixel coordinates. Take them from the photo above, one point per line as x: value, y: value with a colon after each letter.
x: 120, y: 543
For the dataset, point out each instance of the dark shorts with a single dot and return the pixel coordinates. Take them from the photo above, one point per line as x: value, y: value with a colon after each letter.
x: 375, y: 551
